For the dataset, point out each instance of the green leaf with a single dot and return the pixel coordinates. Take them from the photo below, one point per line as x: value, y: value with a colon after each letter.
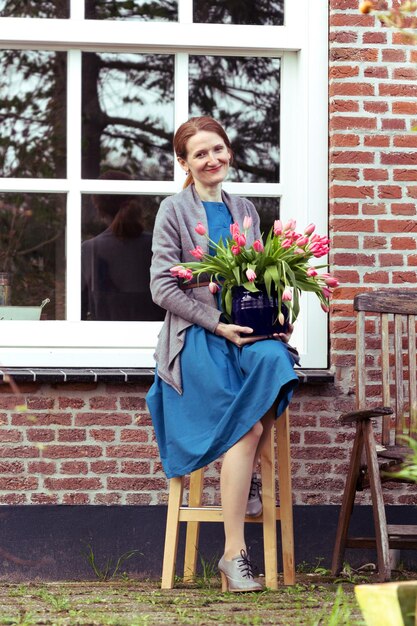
x: 228, y: 301
x: 236, y: 274
x: 250, y: 287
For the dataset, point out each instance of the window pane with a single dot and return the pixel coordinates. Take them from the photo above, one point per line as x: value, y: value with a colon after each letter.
x: 128, y: 114
x: 115, y: 269
x: 32, y: 250
x: 33, y: 114
x: 34, y: 8
x: 238, y: 12
x: 243, y: 94
x: 140, y: 10
x: 268, y: 209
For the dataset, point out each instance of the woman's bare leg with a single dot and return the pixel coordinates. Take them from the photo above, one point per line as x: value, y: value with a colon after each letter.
x: 268, y: 420
x: 235, y: 481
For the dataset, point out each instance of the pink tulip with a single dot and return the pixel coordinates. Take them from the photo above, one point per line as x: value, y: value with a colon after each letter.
x: 185, y: 273
x: 331, y: 281
x: 200, y: 229
x: 258, y: 246
x: 176, y: 270
x: 281, y: 318
x: 247, y: 222
x: 198, y: 252
x: 241, y: 240
x: 287, y: 243
x: 326, y: 292
x: 250, y: 275
x: 310, y: 229
x: 311, y: 272
x: 290, y: 225
x: 235, y: 250
x: 277, y: 228
x: 213, y: 287
x: 299, y: 251
x: 325, y: 307
x: 286, y: 294
x: 301, y: 241
x: 234, y: 230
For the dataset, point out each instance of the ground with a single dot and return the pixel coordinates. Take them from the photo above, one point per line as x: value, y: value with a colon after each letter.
x: 315, y: 600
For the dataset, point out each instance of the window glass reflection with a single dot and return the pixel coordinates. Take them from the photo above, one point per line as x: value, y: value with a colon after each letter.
x: 268, y: 209
x: 237, y: 12
x: 116, y: 256
x: 32, y: 251
x: 35, y: 8
x: 243, y: 94
x: 32, y: 114
x: 139, y: 10
x: 128, y: 114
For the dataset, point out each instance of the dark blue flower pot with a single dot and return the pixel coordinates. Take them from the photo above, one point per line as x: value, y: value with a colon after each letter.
x: 258, y: 311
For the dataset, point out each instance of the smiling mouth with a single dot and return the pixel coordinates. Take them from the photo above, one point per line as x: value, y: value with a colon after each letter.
x: 215, y: 169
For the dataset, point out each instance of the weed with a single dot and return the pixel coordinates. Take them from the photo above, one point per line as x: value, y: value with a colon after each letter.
x: 56, y: 602
x: 308, y: 568
x: 353, y: 576
x: 110, y: 567
x: 209, y: 571
x: 20, y: 591
x: 22, y: 619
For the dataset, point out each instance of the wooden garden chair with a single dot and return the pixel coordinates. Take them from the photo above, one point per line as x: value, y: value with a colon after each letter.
x: 385, y: 356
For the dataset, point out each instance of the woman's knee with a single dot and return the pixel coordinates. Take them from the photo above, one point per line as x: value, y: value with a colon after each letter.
x: 257, y: 430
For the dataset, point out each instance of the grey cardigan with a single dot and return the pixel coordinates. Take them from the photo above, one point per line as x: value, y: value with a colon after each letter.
x: 174, y: 236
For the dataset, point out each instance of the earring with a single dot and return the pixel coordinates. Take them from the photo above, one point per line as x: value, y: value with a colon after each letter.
x: 187, y: 172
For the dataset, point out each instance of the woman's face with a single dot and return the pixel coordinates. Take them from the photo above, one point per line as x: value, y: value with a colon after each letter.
x: 207, y: 158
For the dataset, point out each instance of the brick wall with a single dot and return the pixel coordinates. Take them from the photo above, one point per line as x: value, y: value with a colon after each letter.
x: 94, y: 444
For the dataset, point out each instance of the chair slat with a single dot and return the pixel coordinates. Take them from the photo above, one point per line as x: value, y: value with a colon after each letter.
x: 399, y: 370
x: 360, y: 361
x: 387, y: 301
x: 412, y: 377
x: 386, y: 393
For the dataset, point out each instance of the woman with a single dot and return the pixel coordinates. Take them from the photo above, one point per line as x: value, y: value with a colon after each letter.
x: 217, y: 388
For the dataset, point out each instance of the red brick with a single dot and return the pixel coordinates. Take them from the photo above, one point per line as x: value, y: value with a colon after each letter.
x: 377, y: 141
x: 103, y: 434
x: 347, y: 276
x: 76, y: 483
x: 375, y: 242
x: 344, y: 122
x: 41, y: 419
x: 404, y: 108
x: 136, y: 484
x: 351, y: 89
x: 319, y: 437
x: 104, y: 467
x: 110, y: 498
x: 393, y: 56
x: 352, y: 225
x: 350, y: 156
x: 347, y: 345
x: 133, y: 452
x: 102, y: 419
x: 403, y: 208
x: 375, y: 174
x: 11, y: 467
x: 19, y: 452
x: 138, y: 434
x: 344, y: 208
x: 397, y: 90
x: 389, y: 191
x: 76, y: 498
x: 406, y: 141
x: 397, y: 226
x: 344, y: 139
x: 355, y: 19
x: 41, y: 467
x: 44, y: 498
x: 404, y: 277
x: 74, y: 467
x: 376, y: 277
x: 374, y: 37
x: 412, y: 260
x: 138, y: 498
x: 403, y: 243
x: 103, y: 402
x: 393, y: 124
x: 12, y: 483
x: 71, y: 403
x: 10, y: 402
x: 320, y: 452
x: 68, y: 452
x: 407, y: 174
x: 345, y: 241
x: 403, y: 39
x: 133, y: 403
x: 412, y: 192
x: 10, y: 436
x: 375, y: 107
x: 72, y: 434
x: 40, y: 403
x: 389, y: 259
x: 351, y: 191
x: 374, y: 209
x: 353, y: 260
x: 344, y: 326
x: 343, y: 71
x: 343, y: 5
x: 13, y: 498
x: 136, y: 467
x: 344, y: 106
x: 40, y: 434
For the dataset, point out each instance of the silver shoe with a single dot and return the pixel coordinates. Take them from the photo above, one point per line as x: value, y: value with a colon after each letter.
x: 237, y: 575
x: 254, y: 506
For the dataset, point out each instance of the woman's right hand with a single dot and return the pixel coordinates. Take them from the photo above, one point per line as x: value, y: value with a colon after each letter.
x: 232, y: 332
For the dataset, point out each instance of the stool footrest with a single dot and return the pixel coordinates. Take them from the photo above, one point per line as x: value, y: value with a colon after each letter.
x: 213, y: 514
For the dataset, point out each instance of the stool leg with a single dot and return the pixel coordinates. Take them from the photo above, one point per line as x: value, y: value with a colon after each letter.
x: 285, y: 493
x: 193, y: 528
x: 269, y: 513
x: 171, y: 534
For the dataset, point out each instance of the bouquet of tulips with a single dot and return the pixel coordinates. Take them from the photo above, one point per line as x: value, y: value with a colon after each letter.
x: 281, y: 265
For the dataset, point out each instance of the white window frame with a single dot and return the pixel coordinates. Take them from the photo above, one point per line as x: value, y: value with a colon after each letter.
x: 302, y: 45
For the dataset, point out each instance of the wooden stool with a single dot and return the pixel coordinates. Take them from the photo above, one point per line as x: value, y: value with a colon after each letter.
x: 195, y: 513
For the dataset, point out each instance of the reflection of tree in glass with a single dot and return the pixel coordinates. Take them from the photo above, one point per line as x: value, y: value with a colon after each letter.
x: 243, y: 94
x: 32, y: 243
x: 144, y: 10
x: 238, y: 12
x: 33, y: 8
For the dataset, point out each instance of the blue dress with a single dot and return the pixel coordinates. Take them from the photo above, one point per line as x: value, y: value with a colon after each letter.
x: 226, y: 389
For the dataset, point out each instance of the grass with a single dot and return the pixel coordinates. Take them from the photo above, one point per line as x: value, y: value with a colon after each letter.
x: 315, y: 600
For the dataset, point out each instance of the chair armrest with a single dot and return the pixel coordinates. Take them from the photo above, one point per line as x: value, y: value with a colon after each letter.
x: 365, y: 414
